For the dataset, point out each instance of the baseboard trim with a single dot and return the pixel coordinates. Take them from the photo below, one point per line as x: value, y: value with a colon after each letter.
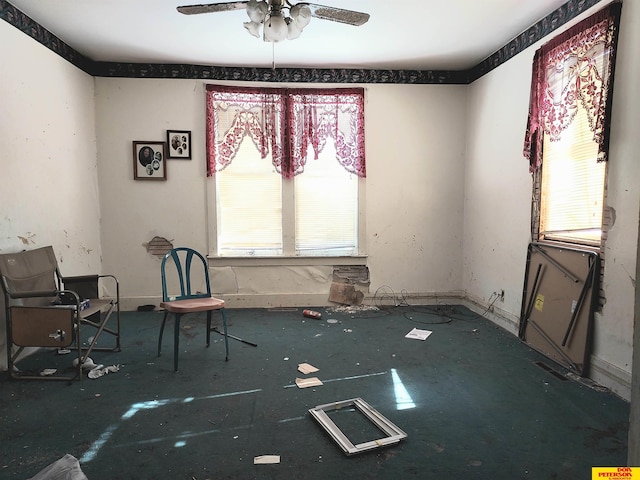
x: 284, y: 300
x: 244, y: 301
x: 613, y: 378
x: 497, y: 315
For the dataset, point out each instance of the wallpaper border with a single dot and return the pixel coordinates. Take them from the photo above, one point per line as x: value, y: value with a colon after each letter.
x: 533, y: 34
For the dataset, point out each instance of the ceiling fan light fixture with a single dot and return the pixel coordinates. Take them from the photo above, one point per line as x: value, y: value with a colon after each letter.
x: 275, y: 28
x: 301, y: 15
x: 257, y: 10
x: 293, y: 30
x: 253, y: 28
x: 276, y: 24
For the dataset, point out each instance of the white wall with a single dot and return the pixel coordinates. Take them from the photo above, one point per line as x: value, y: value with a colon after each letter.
x: 415, y: 160
x: 498, y: 198
x: 627, y: 145
x: 614, y: 330
x: 413, y: 207
x: 48, y: 170
x: 497, y: 186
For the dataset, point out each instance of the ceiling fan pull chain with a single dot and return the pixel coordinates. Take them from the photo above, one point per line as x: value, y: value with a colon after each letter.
x: 273, y: 55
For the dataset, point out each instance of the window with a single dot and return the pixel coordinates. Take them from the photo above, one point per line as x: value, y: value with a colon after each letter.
x: 572, y: 186
x: 249, y: 206
x: 288, y: 168
x: 326, y: 208
x: 567, y: 135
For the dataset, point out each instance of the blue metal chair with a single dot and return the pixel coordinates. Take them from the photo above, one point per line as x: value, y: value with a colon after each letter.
x: 191, y: 270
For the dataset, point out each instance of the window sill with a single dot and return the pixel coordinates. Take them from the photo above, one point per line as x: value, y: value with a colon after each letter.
x: 569, y: 245
x: 215, y: 261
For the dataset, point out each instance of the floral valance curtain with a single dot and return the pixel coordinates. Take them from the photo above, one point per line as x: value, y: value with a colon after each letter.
x: 285, y: 122
x: 575, y: 68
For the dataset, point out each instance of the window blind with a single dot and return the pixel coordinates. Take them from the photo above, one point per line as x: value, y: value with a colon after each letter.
x: 249, y: 206
x: 326, y: 207
x: 572, y: 185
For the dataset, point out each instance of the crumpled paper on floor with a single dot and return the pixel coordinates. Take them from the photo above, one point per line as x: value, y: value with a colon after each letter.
x: 266, y: 459
x: 101, y: 370
x: 308, y: 382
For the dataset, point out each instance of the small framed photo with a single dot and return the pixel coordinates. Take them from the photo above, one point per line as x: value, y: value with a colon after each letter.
x: 149, y: 161
x: 179, y: 144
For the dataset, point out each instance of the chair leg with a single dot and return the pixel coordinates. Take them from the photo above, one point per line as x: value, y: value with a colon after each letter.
x: 208, y: 328
x: 226, y: 337
x: 164, y: 320
x: 176, y: 341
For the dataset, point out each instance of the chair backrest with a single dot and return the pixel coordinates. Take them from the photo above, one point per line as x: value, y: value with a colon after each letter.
x: 30, y: 271
x: 191, y: 273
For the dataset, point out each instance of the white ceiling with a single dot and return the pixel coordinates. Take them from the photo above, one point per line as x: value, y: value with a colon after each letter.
x: 400, y: 35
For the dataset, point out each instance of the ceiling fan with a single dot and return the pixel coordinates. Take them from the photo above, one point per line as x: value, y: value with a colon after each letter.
x: 279, y: 19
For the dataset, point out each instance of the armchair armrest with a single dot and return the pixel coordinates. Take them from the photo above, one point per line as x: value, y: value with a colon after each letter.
x: 46, y: 293
x: 87, y: 286
x: 44, y: 298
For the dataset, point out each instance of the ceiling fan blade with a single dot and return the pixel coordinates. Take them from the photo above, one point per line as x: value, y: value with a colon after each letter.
x: 349, y: 17
x: 212, y: 8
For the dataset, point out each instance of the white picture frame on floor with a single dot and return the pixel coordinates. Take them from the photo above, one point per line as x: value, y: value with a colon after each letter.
x: 392, y: 434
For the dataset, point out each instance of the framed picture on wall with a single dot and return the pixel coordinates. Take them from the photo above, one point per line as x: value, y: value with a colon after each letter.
x: 149, y: 161
x: 179, y: 144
